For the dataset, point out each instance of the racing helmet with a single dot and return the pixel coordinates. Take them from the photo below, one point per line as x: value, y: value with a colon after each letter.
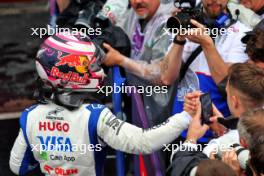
x: 69, y: 66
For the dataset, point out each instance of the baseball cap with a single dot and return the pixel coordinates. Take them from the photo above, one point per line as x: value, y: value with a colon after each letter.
x: 259, y: 26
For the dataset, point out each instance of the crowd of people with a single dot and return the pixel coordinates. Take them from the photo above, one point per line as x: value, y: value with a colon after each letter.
x: 71, y: 68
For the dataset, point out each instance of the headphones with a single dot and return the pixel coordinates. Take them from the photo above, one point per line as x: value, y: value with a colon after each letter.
x: 223, y: 21
x: 226, y: 20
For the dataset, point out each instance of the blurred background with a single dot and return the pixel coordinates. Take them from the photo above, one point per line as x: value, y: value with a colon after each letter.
x: 17, y: 50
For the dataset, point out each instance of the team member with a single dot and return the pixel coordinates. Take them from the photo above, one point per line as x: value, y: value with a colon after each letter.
x: 53, y: 132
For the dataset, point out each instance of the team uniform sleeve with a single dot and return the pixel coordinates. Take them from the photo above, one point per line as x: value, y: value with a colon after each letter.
x: 131, y: 139
x: 21, y: 158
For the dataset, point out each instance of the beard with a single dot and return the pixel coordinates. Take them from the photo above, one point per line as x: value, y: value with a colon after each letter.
x: 214, y: 13
x: 142, y: 17
x: 141, y: 5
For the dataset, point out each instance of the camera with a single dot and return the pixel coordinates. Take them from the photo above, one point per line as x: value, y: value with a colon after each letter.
x: 242, y: 153
x: 88, y: 16
x: 188, y: 12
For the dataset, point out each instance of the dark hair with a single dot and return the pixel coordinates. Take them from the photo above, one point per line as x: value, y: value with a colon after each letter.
x: 248, y: 79
x: 257, y: 158
x: 251, y: 128
x: 214, y: 168
x: 255, y: 46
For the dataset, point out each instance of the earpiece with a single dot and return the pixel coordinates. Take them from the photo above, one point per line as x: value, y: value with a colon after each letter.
x: 237, y: 12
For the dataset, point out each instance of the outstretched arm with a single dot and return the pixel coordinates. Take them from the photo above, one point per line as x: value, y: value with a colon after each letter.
x: 131, y: 139
x: 161, y: 72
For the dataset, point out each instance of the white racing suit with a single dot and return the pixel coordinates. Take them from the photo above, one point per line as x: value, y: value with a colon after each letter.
x: 68, y: 142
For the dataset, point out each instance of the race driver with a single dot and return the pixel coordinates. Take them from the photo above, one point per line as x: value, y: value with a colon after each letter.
x: 53, y: 132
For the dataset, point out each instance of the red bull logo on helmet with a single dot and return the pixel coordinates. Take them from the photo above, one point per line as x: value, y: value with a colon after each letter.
x: 81, y: 63
x: 73, y: 61
x: 70, y: 76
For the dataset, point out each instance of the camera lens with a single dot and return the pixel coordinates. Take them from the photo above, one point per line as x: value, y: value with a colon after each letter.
x: 173, y: 22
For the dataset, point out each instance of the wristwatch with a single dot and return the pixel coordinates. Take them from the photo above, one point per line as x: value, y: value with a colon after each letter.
x: 179, y: 42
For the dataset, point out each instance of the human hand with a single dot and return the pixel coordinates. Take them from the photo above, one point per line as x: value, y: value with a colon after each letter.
x: 216, y: 112
x: 212, y: 155
x: 196, y: 130
x: 190, y: 102
x: 175, y: 10
x: 199, y: 35
x: 112, y: 57
x: 230, y: 158
x: 216, y: 127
